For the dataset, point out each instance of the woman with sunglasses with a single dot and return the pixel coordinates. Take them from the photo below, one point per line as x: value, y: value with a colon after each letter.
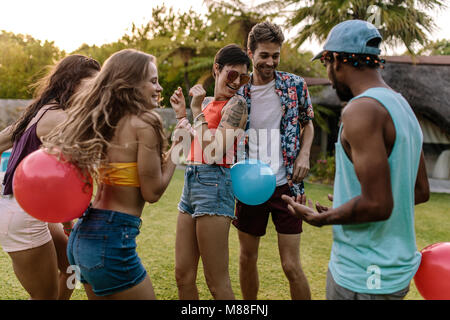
x: 206, y: 207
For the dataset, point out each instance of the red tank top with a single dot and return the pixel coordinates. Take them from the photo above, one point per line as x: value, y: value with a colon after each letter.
x: 213, y: 115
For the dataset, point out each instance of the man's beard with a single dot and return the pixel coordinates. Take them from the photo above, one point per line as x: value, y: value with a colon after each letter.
x: 343, y: 92
x: 260, y: 68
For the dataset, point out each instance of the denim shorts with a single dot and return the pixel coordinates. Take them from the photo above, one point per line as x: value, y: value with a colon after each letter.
x: 207, y: 191
x: 103, y: 246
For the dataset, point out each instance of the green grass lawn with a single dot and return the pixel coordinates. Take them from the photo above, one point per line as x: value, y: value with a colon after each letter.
x: 156, y: 245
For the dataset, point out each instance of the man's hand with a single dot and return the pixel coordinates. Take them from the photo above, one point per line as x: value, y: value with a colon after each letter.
x: 178, y: 103
x: 307, y: 213
x: 198, y: 94
x: 301, y: 168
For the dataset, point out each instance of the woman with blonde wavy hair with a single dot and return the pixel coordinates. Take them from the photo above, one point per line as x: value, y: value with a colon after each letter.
x: 113, y: 133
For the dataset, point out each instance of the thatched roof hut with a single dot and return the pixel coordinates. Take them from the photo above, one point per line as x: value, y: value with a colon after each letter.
x: 423, y: 81
x: 425, y: 84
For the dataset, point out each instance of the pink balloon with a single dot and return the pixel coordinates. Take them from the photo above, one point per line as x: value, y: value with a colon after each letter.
x: 50, y: 190
x: 433, y: 276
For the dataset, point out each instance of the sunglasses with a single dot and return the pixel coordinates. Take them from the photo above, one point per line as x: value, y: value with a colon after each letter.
x: 232, y: 75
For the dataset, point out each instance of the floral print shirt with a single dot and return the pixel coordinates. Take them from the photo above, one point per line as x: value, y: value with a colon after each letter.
x: 297, y: 110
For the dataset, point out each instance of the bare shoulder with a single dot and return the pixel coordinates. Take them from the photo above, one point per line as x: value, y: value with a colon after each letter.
x: 364, y: 110
x: 145, y: 120
x: 236, y: 103
x: 234, y: 113
x: 143, y: 126
x: 52, y: 115
x: 363, y: 118
x: 238, y: 99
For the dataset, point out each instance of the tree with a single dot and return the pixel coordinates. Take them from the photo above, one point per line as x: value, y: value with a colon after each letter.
x: 399, y: 21
x: 182, y: 39
x: 100, y: 53
x: 235, y: 19
x: 23, y: 60
x: 437, y: 48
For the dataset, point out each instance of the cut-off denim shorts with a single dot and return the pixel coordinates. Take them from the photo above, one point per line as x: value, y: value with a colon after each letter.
x: 103, y: 246
x: 207, y: 191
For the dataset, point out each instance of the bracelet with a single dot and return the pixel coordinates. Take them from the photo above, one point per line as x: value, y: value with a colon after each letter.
x: 179, y: 118
x: 198, y: 124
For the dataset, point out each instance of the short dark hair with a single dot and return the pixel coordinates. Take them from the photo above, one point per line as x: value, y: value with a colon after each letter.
x: 264, y: 32
x: 356, y: 60
x: 233, y: 55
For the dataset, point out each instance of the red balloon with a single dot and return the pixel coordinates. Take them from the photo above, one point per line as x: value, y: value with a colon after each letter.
x: 50, y: 190
x: 433, y: 276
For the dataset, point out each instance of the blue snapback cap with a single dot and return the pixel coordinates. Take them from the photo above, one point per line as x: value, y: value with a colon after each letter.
x: 351, y: 36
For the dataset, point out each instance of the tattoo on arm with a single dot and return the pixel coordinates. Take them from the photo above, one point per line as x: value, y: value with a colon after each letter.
x: 234, y: 114
x: 205, y: 102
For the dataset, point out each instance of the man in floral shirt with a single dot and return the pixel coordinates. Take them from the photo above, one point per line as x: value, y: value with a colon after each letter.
x: 280, y: 133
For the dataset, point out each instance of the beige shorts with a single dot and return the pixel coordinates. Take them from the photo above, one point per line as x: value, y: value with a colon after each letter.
x: 18, y: 230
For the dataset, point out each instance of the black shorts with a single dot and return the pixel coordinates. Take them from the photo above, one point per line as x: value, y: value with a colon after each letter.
x: 253, y: 219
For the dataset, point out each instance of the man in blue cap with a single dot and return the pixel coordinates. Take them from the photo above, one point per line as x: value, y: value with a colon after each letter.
x: 380, y: 174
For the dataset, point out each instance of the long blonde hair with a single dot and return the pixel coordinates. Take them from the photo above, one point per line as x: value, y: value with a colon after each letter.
x: 85, y: 136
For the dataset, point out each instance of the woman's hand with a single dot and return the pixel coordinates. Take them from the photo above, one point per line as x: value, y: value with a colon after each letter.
x: 178, y: 103
x: 183, y: 130
x: 198, y: 95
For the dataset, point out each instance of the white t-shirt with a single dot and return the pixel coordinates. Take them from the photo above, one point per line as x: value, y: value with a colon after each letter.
x: 264, y: 133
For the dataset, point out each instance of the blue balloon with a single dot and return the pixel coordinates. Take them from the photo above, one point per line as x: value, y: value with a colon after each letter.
x: 253, y: 181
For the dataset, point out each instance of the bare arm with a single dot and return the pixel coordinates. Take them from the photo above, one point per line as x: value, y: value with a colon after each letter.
x: 363, y: 131
x: 301, y: 164
x: 49, y: 121
x: 422, y: 187
x: 234, y: 117
x: 5, y: 139
x: 153, y: 176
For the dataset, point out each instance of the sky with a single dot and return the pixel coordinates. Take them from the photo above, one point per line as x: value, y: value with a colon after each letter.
x: 71, y: 23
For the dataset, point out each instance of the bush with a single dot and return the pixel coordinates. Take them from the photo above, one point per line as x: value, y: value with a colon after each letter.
x: 323, y: 170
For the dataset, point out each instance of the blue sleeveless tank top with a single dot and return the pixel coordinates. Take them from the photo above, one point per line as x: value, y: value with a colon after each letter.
x: 380, y: 257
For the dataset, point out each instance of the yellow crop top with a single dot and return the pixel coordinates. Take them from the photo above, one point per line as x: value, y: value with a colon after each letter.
x: 120, y: 174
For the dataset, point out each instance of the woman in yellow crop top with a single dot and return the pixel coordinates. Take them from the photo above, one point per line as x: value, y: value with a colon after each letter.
x: 112, y: 126
x: 206, y: 207
x: 120, y: 174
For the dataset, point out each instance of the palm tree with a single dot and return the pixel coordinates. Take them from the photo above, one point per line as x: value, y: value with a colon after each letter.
x: 236, y: 19
x: 438, y: 47
x: 399, y: 21
x: 181, y: 41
